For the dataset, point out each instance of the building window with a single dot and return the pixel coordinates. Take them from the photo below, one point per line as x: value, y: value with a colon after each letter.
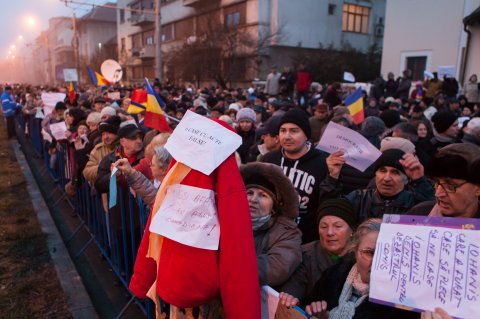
x: 355, y: 18
x: 331, y: 9
x: 122, y: 45
x: 232, y: 20
x: 149, y: 40
x: 122, y: 15
x: 167, y: 32
x: 417, y: 64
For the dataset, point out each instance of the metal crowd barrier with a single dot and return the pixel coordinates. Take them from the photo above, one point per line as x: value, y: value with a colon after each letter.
x: 118, y: 246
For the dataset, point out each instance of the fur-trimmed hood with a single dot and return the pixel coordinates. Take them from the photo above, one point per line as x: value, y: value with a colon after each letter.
x: 287, y: 197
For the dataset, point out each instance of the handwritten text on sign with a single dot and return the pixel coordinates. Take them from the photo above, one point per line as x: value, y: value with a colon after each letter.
x: 188, y: 215
x: 425, y: 267
x: 358, y: 151
x: 201, y: 144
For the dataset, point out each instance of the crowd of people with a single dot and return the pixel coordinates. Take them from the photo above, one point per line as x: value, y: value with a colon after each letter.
x: 315, y: 219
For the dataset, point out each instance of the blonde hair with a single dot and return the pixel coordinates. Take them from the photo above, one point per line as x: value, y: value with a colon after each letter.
x: 371, y: 225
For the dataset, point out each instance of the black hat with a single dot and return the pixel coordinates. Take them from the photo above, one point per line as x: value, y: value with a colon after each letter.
x: 299, y: 118
x: 390, y: 157
x: 99, y: 100
x: 455, y: 161
x: 110, y: 125
x: 60, y: 106
x: 442, y: 120
x: 128, y: 129
x: 339, y: 207
x: 271, y: 126
x: 390, y: 118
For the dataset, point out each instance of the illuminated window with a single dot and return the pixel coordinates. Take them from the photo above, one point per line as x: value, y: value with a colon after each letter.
x: 355, y: 18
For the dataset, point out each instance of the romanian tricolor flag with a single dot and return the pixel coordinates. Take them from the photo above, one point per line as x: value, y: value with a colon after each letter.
x: 138, y: 102
x: 155, y: 116
x: 97, y: 78
x: 72, y: 89
x: 354, y: 102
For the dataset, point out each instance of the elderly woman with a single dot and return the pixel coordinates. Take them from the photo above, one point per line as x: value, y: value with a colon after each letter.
x: 342, y: 291
x: 140, y: 184
x: 273, y: 206
x: 335, y: 227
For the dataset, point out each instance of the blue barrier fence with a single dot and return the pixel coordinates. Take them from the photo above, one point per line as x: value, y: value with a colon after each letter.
x: 116, y: 238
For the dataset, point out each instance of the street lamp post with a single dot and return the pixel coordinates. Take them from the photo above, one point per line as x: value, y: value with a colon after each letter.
x: 158, y: 44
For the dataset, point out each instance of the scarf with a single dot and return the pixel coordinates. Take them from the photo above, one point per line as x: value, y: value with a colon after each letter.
x: 260, y: 221
x: 346, y: 306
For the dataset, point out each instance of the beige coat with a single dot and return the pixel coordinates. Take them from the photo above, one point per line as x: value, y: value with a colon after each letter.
x: 99, y: 151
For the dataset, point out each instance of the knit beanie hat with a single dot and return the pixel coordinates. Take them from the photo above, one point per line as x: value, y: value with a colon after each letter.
x: 246, y: 114
x: 110, y: 125
x: 390, y: 118
x: 339, y: 207
x: 299, y: 118
x: 398, y: 143
x: 108, y: 110
x: 455, y: 161
x: 442, y: 120
x: 390, y: 158
x: 373, y: 126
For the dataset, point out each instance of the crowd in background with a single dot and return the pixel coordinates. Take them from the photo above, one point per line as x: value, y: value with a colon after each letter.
x: 309, y: 210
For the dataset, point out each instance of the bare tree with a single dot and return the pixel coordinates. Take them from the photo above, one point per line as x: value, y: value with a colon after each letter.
x: 220, y: 52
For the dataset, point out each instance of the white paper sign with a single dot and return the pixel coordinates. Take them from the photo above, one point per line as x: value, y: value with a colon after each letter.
x: 427, y: 74
x: 201, y: 144
x: 70, y: 75
x: 446, y: 70
x: 462, y: 120
x: 58, y: 130
x: 424, y: 267
x: 50, y: 99
x: 188, y: 215
x: 269, y: 302
x: 347, y: 76
x: 114, y: 95
x: 359, y: 152
x: 39, y: 114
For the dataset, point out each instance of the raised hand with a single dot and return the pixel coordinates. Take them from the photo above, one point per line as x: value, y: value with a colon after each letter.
x: 335, y: 162
x: 413, y: 167
x: 317, y: 309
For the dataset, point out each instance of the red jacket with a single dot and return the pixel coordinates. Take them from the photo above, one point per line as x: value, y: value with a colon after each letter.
x: 189, y: 277
x: 304, y: 80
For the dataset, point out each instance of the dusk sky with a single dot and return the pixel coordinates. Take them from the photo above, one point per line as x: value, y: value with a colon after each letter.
x: 27, y: 18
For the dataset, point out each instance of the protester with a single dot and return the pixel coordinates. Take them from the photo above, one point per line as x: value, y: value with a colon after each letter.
x: 273, y: 208
x: 303, y: 164
x: 400, y: 184
x: 342, y: 291
x: 336, y: 223
x: 140, y: 184
x: 455, y: 171
x: 246, y: 129
x: 9, y: 108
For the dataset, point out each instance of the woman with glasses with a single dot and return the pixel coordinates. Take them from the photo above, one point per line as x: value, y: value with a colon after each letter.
x: 342, y: 291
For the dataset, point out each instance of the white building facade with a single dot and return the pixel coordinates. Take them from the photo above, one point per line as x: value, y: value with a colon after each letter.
x: 427, y: 35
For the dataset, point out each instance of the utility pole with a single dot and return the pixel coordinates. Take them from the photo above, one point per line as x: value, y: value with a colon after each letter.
x: 75, y: 45
x: 158, y: 44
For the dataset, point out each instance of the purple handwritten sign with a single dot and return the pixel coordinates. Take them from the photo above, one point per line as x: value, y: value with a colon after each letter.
x: 422, y: 262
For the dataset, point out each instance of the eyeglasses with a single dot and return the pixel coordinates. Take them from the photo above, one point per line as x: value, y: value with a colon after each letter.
x: 449, y: 187
x: 367, y: 253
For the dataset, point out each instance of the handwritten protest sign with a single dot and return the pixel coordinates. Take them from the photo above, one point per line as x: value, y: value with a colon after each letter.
x: 50, y: 99
x: 188, y: 215
x: 58, y: 130
x: 427, y: 265
x: 359, y: 152
x: 269, y: 302
x: 201, y: 144
x: 114, y: 95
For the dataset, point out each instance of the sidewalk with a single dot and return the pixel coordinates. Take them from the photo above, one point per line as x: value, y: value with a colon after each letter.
x: 78, y: 300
